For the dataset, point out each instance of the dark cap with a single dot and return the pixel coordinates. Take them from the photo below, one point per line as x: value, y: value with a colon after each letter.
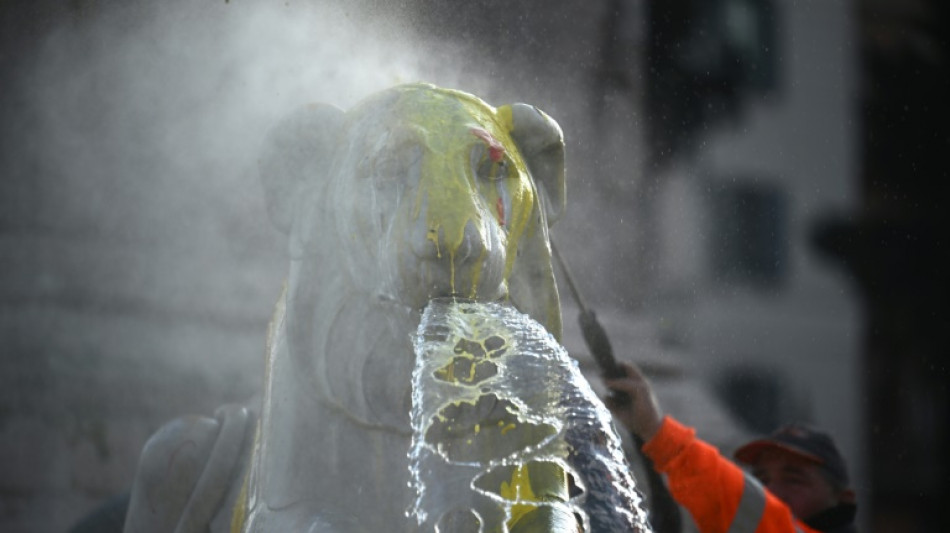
x: 802, y: 441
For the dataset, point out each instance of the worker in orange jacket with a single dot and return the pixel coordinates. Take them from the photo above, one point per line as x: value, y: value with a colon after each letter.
x: 798, y: 481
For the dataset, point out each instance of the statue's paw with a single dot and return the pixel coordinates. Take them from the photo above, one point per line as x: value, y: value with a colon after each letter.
x: 184, y: 471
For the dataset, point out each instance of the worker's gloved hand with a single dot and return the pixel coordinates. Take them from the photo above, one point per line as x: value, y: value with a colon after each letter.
x: 637, y: 408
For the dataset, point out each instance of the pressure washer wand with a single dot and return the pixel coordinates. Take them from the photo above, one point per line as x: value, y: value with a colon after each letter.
x: 594, y: 334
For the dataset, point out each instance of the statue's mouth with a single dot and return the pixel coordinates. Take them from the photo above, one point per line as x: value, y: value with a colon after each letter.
x: 418, y: 308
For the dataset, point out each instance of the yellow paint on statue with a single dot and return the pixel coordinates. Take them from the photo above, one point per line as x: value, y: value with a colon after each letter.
x: 519, y: 489
x: 450, y: 125
x: 534, y: 482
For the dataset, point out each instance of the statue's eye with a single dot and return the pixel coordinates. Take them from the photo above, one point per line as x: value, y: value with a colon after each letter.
x: 398, y: 163
x: 492, y: 170
x: 386, y: 167
x: 489, y: 157
x: 499, y: 170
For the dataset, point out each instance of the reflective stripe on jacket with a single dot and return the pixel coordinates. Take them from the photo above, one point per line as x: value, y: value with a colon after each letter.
x: 721, y: 497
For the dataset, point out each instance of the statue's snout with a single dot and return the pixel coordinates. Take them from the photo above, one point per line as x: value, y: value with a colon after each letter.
x: 461, y: 260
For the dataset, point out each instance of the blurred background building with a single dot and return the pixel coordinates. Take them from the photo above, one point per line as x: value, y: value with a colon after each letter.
x: 756, y: 212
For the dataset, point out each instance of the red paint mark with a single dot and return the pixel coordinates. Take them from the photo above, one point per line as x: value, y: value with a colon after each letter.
x: 496, y: 151
x: 500, y: 207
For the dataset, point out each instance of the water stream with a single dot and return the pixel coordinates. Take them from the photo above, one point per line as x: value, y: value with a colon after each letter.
x: 507, y: 433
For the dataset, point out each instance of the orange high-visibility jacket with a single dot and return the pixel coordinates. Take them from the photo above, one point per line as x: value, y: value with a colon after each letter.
x: 721, y: 496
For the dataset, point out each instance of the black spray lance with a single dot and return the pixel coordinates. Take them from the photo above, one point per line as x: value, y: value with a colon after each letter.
x: 595, y: 337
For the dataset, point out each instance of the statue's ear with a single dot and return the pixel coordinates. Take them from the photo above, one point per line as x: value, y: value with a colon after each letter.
x: 541, y: 142
x: 296, y: 151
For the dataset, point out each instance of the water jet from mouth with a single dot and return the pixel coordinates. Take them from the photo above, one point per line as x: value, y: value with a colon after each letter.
x: 507, y: 433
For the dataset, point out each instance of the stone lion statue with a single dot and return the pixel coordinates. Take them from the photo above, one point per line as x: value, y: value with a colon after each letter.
x: 416, y: 193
